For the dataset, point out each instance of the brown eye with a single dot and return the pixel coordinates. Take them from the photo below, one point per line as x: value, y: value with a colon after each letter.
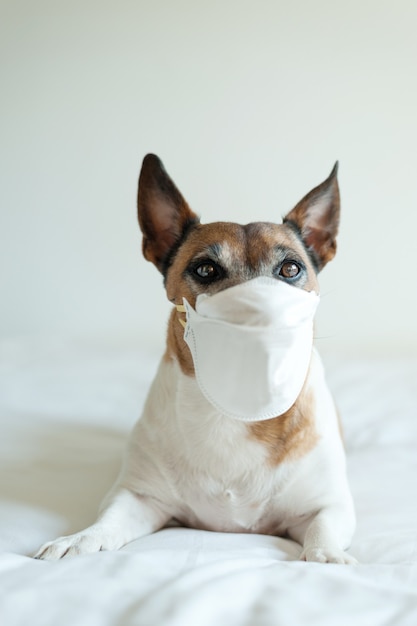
x: 289, y: 269
x: 205, y: 270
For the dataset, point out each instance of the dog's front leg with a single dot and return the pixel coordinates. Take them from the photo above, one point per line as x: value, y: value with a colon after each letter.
x: 125, y: 517
x: 325, y: 536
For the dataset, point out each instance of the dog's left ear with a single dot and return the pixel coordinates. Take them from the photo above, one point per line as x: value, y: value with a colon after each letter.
x: 316, y: 217
x: 164, y: 215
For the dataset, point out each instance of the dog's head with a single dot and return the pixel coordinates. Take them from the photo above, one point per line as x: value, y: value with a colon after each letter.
x: 195, y: 258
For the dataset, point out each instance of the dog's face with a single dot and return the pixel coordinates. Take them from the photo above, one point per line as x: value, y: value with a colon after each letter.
x: 200, y: 258
x: 197, y: 258
x: 219, y: 255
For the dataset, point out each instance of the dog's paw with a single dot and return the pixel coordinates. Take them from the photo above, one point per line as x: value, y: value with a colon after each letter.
x: 85, y: 542
x: 327, y: 555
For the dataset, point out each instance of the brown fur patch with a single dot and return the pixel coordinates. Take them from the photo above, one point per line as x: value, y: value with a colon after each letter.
x: 291, y: 435
x: 176, y: 346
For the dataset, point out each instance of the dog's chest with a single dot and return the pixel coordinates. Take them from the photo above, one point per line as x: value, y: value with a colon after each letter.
x: 219, y: 478
x: 226, y: 484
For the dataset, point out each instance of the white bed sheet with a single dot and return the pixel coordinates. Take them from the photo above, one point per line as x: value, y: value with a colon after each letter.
x: 66, y: 407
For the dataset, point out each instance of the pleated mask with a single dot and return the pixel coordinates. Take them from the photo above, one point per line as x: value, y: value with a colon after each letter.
x: 251, y: 346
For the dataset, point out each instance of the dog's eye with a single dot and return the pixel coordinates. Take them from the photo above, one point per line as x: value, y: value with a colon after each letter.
x: 289, y: 269
x: 207, y: 271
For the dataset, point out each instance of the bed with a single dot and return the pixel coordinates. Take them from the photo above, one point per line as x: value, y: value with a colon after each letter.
x: 66, y: 408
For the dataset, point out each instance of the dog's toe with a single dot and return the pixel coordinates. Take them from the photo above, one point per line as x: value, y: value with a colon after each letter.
x: 327, y: 555
x: 73, y: 545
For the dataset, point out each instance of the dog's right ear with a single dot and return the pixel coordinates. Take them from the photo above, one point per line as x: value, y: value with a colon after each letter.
x: 164, y: 215
x: 316, y: 217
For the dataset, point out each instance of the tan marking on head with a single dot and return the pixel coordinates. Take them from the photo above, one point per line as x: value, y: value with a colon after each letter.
x: 243, y: 253
x: 291, y: 435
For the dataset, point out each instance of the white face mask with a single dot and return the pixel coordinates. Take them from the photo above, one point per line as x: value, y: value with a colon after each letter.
x: 251, y: 346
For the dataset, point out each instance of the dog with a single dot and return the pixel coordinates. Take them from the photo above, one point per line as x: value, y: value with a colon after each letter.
x: 189, y: 462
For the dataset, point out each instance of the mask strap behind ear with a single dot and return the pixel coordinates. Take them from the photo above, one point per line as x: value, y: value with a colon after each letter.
x: 181, y: 309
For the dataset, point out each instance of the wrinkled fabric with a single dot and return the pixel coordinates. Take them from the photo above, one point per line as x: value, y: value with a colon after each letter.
x: 66, y: 409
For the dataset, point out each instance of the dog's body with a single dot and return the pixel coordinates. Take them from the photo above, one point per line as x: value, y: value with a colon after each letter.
x: 188, y: 462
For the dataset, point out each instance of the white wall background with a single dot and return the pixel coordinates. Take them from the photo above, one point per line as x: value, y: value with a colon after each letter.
x: 248, y: 103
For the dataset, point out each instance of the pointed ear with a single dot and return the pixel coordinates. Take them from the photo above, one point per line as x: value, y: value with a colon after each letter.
x: 164, y: 216
x: 316, y: 218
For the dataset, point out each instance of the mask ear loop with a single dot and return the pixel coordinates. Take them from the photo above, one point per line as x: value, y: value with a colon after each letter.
x: 181, y: 309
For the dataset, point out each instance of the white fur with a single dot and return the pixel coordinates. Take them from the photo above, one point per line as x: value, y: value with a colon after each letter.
x: 186, y: 462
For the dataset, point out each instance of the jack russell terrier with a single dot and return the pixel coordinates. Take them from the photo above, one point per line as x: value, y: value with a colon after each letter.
x: 239, y: 432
